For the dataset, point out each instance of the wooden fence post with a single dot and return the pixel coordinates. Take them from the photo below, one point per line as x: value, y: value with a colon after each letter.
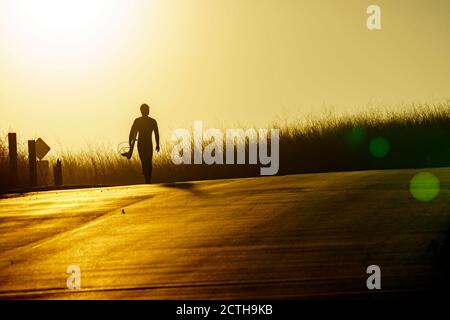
x: 57, y: 173
x: 12, y: 144
x: 32, y: 162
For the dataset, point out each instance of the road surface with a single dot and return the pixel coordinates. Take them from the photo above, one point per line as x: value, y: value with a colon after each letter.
x: 297, y: 236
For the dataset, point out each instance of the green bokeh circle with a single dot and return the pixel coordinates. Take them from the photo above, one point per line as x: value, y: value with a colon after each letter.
x: 379, y: 147
x: 424, y: 186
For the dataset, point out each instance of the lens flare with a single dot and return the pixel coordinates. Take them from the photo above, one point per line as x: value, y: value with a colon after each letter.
x: 424, y: 186
x: 379, y: 147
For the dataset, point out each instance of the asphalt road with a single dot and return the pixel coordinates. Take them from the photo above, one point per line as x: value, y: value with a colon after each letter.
x: 298, y: 236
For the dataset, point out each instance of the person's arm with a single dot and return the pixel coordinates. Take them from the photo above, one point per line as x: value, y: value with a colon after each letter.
x: 157, y: 136
x: 132, y: 139
x: 133, y: 133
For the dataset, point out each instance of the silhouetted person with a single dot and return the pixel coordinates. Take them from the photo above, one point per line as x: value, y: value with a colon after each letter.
x: 144, y: 127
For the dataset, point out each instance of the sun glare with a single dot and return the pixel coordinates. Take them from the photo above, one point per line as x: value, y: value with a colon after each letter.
x: 61, y: 31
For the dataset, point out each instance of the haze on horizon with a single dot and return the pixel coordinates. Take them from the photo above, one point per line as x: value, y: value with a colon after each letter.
x: 75, y: 71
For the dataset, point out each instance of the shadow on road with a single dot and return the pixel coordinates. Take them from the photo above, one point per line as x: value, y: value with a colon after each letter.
x: 188, y: 186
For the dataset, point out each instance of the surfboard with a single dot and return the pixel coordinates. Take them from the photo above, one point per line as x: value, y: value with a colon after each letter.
x: 129, y: 153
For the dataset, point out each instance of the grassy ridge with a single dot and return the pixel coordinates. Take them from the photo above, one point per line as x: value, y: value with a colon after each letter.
x: 414, y: 139
x: 376, y: 140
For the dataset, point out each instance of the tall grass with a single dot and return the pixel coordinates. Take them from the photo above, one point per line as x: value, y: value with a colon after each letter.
x: 419, y: 137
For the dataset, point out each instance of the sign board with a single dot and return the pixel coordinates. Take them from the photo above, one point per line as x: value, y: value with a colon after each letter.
x: 41, y: 149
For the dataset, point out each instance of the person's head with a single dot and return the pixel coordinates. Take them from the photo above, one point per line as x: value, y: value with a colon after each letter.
x: 145, y: 109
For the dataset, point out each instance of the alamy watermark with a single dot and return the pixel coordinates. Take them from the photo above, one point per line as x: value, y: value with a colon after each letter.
x: 208, y: 147
x: 374, y: 20
x: 374, y: 280
x: 74, y: 279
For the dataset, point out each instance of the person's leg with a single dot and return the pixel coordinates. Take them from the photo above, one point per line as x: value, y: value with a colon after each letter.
x: 150, y: 168
x: 146, y: 156
x: 147, y: 168
x: 143, y: 155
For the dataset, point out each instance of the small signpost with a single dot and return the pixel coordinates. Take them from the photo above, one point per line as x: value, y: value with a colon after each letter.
x: 39, y: 170
x: 13, y: 173
x: 41, y: 149
x: 42, y: 165
x: 32, y: 162
x: 57, y: 173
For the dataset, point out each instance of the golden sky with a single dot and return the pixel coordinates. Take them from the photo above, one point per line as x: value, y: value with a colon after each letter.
x: 74, y: 72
